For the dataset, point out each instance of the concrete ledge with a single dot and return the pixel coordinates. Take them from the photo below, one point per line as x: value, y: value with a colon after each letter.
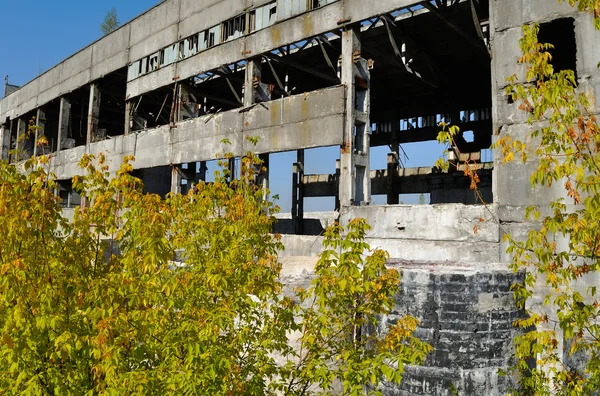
x: 447, y: 222
x: 404, y: 249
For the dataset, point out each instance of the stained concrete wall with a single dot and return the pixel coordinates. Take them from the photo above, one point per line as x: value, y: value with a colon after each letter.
x: 465, y: 311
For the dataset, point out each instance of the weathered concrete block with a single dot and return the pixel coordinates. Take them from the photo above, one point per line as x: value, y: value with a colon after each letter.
x: 466, y: 314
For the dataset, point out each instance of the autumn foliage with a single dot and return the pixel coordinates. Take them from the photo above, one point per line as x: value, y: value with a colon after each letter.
x: 141, y: 295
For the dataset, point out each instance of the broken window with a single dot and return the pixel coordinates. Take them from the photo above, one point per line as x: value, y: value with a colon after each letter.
x: 69, y: 198
x: 209, y: 37
x: 312, y: 4
x: 181, y: 50
x: 192, y: 45
x: 233, y: 28
x: 168, y: 55
x: 134, y: 70
x: 188, y: 47
x: 153, y: 62
x: 262, y: 17
x: 561, y: 34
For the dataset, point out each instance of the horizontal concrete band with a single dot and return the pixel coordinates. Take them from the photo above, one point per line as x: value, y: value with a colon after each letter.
x: 307, y: 120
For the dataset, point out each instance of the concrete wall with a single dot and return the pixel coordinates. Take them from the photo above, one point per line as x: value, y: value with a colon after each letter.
x: 281, y: 125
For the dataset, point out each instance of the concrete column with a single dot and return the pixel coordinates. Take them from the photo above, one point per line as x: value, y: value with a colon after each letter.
x: 338, y: 167
x: 231, y: 167
x: 178, y: 103
x: 392, y: 172
x: 201, y: 176
x: 251, y: 86
x: 40, y: 130
x: 362, y: 156
x: 93, y: 114
x: 252, y: 82
x: 298, y: 197
x: 263, y: 175
x: 21, y: 136
x: 129, y: 106
x: 176, y: 180
x: 4, y: 142
x: 355, y: 180
x: 64, y: 116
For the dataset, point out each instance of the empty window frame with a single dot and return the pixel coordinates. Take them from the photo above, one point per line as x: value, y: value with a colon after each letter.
x: 190, y: 47
x: 561, y: 34
x: 233, y: 28
x: 210, y: 37
x: 168, y: 55
x: 153, y: 62
x: 262, y: 17
x: 133, y: 71
x: 288, y: 8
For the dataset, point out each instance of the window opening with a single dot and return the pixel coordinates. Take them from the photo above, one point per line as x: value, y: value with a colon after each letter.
x: 233, y: 28
x: 561, y: 34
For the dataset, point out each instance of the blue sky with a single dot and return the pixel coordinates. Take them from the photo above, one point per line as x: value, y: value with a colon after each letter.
x: 35, y: 35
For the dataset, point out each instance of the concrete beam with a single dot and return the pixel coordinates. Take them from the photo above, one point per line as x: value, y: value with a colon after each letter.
x: 453, y: 222
x: 286, y: 124
x: 404, y: 181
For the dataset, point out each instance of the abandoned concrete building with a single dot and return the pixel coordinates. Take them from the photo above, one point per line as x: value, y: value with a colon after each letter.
x: 170, y: 85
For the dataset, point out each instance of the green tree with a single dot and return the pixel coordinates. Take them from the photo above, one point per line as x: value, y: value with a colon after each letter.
x: 110, y: 22
x: 140, y: 295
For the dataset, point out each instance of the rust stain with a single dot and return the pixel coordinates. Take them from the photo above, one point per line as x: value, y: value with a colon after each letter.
x: 308, y: 26
x: 275, y: 110
x: 346, y: 148
x: 304, y: 109
x: 276, y: 36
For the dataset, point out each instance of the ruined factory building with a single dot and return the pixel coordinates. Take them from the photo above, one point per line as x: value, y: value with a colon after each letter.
x: 367, y: 78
